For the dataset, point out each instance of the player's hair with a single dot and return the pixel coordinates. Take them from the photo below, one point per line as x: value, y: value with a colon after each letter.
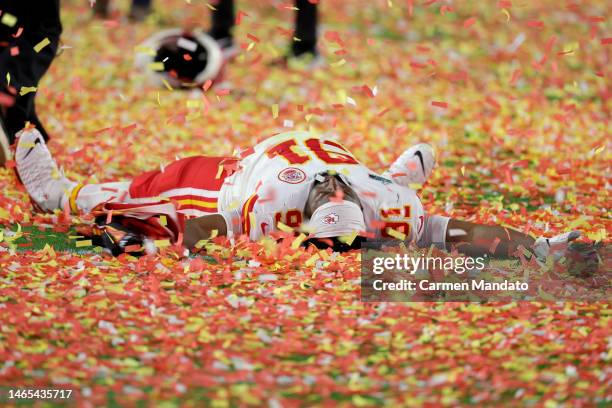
x: 334, y: 243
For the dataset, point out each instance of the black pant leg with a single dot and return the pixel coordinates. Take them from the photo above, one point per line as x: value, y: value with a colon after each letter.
x: 305, y: 28
x: 222, y: 19
x: 37, y: 20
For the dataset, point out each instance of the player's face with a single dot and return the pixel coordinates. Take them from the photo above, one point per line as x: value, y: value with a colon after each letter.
x: 322, y: 191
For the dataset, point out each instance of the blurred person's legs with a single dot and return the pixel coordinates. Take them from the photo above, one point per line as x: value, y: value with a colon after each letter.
x: 29, y: 39
x: 140, y: 9
x: 101, y: 8
x: 223, y: 21
x: 305, y: 29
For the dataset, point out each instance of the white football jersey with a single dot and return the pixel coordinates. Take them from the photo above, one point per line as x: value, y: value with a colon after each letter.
x: 276, y: 176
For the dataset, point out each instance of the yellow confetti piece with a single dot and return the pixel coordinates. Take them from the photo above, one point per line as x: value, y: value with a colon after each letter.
x: 298, y: 241
x: 38, y: 47
x: 9, y: 20
x: 463, y: 170
x: 8, y: 79
x: 84, y: 243
x: 338, y: 63
x: 597, y: 235
x: 158, y: 100
x: 210, y: 6
x: 145, y: 50
x: 250, y: 47
x: 599, y: 150
x: 272, y: 50
x: 26, y: 90
x: 193, y: 103
x: 156, y: 66
x: 311, y: 261
x: 161, y: 243
x: 342, y: 96
x: 219, y: 171
x: 415, y: 186
x: 275, y: 111
x: 284, y: 227
x: 396, y: 234
x: 163, y: 220
x: 167, y: 85
x: 506, y: 14
x: 348, y: 239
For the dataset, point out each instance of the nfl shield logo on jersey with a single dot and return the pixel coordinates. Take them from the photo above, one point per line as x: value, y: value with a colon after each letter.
x: 331, y: 218
x: 292, y: 175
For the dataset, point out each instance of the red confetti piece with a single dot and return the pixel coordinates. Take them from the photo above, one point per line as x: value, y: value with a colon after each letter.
x: 239, y: 16
x: 439, y: 104
x: 491, y: 101
x: 446, y: 9
x: 535, y: 24
x: 469, y: 22
x: 252, y: 37
x: 516, y: 74
x: 6, y: 100
x: 18, y: 33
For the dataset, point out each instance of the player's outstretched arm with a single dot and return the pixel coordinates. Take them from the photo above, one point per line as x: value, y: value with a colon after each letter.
x: 197, y: 229
x: 497, y: 241
x: 479, y: 240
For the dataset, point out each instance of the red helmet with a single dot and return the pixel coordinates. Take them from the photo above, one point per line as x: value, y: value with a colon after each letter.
x: 181, y: 58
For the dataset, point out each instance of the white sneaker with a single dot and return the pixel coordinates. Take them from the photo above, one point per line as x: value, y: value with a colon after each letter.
x: 46, y: 184
x: 414, y: 166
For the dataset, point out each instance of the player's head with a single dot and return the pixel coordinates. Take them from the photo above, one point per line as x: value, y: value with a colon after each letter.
x: 335, y: 213
x: 326, y: 187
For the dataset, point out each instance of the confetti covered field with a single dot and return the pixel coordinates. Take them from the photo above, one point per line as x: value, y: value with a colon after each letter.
x: 515, y: 97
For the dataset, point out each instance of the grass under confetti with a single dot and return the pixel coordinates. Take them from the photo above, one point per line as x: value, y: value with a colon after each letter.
x: 515, y: 98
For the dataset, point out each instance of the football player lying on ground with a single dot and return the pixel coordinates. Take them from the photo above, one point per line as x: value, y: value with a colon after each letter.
x: 292, y: 180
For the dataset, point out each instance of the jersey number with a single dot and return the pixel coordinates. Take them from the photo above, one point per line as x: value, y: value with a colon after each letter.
x: 397, y: 224
x: 319, y: 148
x: 292, y: 218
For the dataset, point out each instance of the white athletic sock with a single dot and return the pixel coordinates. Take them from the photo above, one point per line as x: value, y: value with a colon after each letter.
x: 85, y: 198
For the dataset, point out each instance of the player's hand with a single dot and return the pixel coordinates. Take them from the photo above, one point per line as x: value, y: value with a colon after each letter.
x: 555, y: 246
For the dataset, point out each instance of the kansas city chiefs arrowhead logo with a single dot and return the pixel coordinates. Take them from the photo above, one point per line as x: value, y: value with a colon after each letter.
x: 292, y: 175
x: 331, y: 218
